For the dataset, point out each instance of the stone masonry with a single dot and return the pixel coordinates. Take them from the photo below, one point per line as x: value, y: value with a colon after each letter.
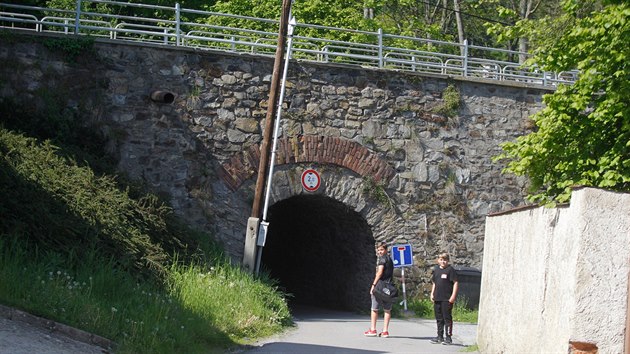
x: 377, y: 137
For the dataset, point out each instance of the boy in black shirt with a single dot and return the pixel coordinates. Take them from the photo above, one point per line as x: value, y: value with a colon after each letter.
x: 384, y: 272
x: 443, y: 294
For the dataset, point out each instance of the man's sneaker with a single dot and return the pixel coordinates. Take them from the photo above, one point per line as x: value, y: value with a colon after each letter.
x: 447, y: 341
x: 437, y: 340
x: 370, y: 333
x: 384, y: 334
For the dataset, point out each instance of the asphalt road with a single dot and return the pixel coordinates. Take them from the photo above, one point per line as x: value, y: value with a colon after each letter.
x: 326, y: 331
x: 315, y: 331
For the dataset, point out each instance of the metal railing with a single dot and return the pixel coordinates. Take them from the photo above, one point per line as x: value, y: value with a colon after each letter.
x: 202, y: 29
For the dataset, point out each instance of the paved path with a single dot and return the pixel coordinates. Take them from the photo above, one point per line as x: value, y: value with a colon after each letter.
x: 316, y: 331
x: 326, y: 331
x: 19, y: 337
x: 23, y: 333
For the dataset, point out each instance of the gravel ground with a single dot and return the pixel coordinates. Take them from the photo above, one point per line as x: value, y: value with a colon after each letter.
x: 23, y: 333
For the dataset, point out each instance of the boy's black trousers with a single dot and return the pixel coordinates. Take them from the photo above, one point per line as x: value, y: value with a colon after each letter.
x: 444, y: 317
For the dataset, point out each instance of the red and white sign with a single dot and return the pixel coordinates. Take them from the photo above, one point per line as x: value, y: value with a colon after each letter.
x: 310, y: 180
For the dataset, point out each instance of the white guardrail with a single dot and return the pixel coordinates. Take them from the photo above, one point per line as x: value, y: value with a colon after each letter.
x: 201, y: 29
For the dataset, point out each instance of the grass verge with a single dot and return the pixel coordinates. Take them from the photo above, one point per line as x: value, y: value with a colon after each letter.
x: 199, y: 309
x: 84, y: 250
x: 423, y: 308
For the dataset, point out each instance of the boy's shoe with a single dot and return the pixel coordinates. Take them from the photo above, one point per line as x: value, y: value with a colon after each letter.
x: 437, y: 340
x: 447, y: 341
x: 383, y: 334
x: 370, y: 333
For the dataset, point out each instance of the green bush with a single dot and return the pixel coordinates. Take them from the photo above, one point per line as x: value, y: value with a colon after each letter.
x: 423, y: 308
x: 55, y: 203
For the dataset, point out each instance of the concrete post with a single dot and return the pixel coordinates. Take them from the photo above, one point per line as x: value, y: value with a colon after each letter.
x: 249, y: 252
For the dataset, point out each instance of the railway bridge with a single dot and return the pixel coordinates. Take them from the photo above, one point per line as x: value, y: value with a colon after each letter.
x: 403, y: 157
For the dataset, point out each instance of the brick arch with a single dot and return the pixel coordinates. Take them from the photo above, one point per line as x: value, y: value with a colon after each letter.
x: 321, y: 149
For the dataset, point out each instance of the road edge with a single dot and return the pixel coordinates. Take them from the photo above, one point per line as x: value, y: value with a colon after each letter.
x: 76, y: 334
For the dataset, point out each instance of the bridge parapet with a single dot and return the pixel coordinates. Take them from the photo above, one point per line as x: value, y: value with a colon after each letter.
x: 376, y: 49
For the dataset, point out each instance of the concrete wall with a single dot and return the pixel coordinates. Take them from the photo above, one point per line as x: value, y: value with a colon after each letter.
x: 555, y: 276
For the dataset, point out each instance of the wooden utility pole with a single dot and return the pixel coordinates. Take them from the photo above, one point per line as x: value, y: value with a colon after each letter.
x: 249, y: 253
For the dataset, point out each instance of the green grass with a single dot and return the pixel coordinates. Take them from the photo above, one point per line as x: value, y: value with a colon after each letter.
x: 90, y: 251
x: 471, y: 349
x: 423, y: 308
x: 198, y: 310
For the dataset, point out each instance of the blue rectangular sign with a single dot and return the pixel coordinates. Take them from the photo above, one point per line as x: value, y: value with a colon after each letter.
x: 401, y: 255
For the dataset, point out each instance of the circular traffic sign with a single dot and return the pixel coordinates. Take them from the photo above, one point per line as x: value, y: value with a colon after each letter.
x: 310, y: 180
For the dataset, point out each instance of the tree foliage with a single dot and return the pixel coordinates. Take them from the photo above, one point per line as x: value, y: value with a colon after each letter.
x: 340, y: 14
x: 583, y: 133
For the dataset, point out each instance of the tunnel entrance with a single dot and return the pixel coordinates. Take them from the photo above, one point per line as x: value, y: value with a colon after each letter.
x: 321, y: 251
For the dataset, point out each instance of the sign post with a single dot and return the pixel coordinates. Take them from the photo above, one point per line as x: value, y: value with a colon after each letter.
x: 402, y: 257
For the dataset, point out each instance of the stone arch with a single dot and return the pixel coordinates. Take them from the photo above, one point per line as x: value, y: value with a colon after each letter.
x: 342, y: 193
x: 311, y: 148
x: 343, y: 165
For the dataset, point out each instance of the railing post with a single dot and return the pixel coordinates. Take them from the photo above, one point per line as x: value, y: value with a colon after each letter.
x: 465, y: 61
x: 177, y: 26
x: 77, y: 18
x: 380, y: 48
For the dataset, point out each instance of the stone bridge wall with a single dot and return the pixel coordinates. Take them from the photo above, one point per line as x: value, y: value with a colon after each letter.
x: 419, y: 176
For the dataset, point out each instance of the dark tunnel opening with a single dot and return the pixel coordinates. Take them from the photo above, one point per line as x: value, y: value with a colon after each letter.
x: 321, y: 251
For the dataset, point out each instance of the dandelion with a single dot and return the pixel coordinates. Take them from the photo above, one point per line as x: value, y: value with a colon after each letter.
x: 114, y: 309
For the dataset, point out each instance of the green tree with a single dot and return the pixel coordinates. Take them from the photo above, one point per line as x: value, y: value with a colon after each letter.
x: 583, y: 133
x: 518, y: 21
x: 332, y: 13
